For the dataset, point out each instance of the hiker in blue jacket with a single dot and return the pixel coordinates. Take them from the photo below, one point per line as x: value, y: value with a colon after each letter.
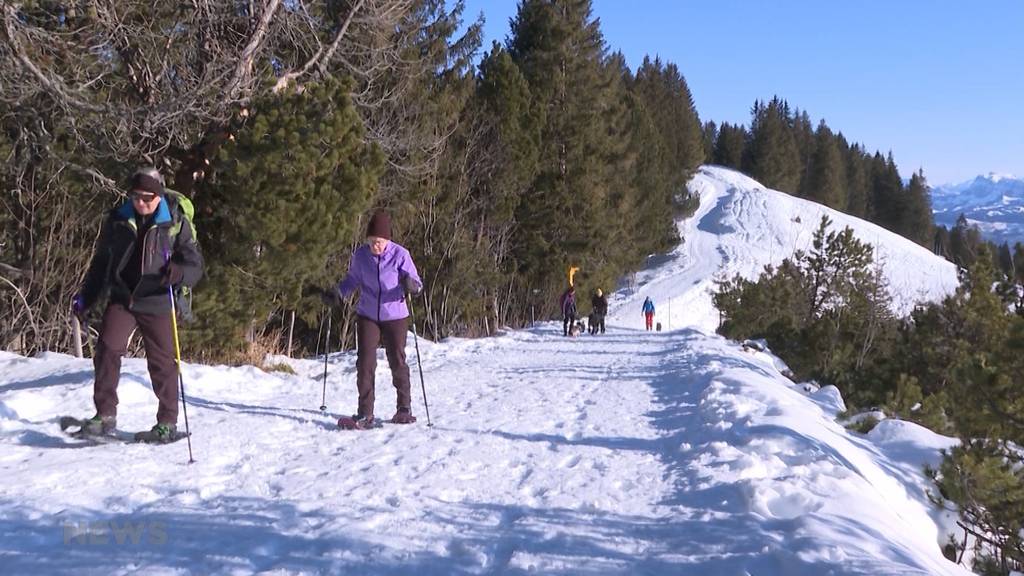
x: 648, y: 310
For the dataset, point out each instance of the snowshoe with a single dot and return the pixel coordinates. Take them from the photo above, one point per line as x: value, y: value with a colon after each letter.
x: 95, y: 427
x: 358, y: 422
x: 160, y: 434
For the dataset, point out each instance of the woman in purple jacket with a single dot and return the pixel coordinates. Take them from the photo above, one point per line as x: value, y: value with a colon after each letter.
x: 384, y: 273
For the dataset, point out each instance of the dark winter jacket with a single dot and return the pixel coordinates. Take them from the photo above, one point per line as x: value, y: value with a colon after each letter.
x: 599, y: 304
x: 568, y: 304
x: 169, y: 234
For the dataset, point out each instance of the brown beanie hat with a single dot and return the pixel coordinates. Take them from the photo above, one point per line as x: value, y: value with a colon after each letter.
x: 380, y: 225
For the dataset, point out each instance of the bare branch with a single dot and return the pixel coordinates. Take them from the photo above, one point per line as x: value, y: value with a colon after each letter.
x: 243, y: 71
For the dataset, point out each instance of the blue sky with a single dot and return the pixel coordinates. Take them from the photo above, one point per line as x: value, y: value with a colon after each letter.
x: 938, y: 82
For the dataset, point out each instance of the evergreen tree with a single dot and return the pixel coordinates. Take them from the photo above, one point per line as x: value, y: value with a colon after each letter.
x: 1005, y: 258
x: 286, y: 195
x: 941, y: 243
x: 856, y: 182
x: 825, y: 312
x: 826, y: 182
x: 918, y: 222
x: 886, y: 204
x: 964, y: 242
x: 665, y: 94
x: 772, y: 156
x: 806, y: 144
x: 652, y: 229
x: 729, y: 147
x: 710, y: 133
x: 566, y: 213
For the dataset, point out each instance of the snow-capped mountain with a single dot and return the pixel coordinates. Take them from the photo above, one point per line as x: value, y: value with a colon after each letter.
x: 994, y: 202
x: 632, y: 452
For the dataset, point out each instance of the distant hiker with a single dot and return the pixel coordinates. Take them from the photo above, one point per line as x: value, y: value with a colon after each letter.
x: 648, y: 310
x: 567, y: 302
x: 383, y: 272
x: 145, y: 250
x: 599, y: 304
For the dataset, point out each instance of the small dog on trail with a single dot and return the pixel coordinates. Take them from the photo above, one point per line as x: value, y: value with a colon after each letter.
x: 577, y: 328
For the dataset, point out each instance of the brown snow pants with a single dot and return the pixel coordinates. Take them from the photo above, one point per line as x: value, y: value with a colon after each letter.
x: 370, y: 334
x: 118, y: 323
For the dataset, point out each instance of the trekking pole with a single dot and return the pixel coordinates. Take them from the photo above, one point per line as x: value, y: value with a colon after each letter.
x: 327, y: 340
x: 177, y: 361
x: 419, y: 363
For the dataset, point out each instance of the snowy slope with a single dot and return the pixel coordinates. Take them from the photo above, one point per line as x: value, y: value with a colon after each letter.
x: 739, y: 228
x: 993, y: 202
x: 628, y: 453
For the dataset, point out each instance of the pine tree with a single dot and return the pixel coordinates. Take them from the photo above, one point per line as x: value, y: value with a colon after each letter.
x: 667, y: 97
x: 964, y: 242
x: 917, y: 222
x: 1005, y: 258
x: 856, y: 182
x: 772, y: 156
x: 564, y: 218
x: 826, y: 181
x: 729, y: 147
x: 887, y: 201
x: 286, y: 196
x: 806, y: 144
x: 710, y: 133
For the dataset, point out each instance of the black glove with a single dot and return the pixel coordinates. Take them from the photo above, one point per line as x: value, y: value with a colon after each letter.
x: 172, y: 275
x: 331, y: 297
x: 410, y: 285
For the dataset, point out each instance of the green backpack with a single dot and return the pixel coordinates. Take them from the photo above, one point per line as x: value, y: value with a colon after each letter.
x: 183, y: 295
x: 187, y: 210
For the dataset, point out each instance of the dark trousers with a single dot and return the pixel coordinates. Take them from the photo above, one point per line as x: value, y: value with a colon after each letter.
x: 567, y: 322
x: 370, y: 333
x: 597, y: 324
x: 157, y: 336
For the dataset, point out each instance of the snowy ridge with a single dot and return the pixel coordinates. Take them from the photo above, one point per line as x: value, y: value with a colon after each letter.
x: 739, y: 228
x: 634, y: 452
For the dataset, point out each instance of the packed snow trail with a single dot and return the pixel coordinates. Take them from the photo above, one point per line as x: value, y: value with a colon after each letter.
x: 628, y: 453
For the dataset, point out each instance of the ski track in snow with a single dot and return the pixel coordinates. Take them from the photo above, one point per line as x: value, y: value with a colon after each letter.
x: 628, y: 453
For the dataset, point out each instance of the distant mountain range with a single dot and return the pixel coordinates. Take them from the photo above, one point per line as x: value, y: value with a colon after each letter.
x: 994, y: 202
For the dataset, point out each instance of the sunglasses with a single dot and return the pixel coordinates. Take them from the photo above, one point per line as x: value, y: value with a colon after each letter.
x: 146, y: 198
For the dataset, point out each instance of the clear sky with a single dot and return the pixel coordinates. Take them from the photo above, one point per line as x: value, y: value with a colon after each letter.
x: 938, y: 82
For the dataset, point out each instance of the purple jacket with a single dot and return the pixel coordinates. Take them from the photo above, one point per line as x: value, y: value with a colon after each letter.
x: 379, y: 281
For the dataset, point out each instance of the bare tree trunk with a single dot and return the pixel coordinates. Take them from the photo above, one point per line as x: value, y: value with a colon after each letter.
x: 291, y: 332
x: 76, y: 335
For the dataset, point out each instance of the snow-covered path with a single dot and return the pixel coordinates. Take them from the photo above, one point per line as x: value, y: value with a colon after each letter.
x: 631, y: 453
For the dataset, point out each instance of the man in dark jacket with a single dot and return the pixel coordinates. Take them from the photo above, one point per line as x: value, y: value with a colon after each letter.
x: 145, y: 251
x: 599, y: 304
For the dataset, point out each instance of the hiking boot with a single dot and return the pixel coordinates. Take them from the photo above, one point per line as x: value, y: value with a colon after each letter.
x: 159, y: 434
x: 356, y: 422
x: 99, y: 426
x: 403, y: 416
